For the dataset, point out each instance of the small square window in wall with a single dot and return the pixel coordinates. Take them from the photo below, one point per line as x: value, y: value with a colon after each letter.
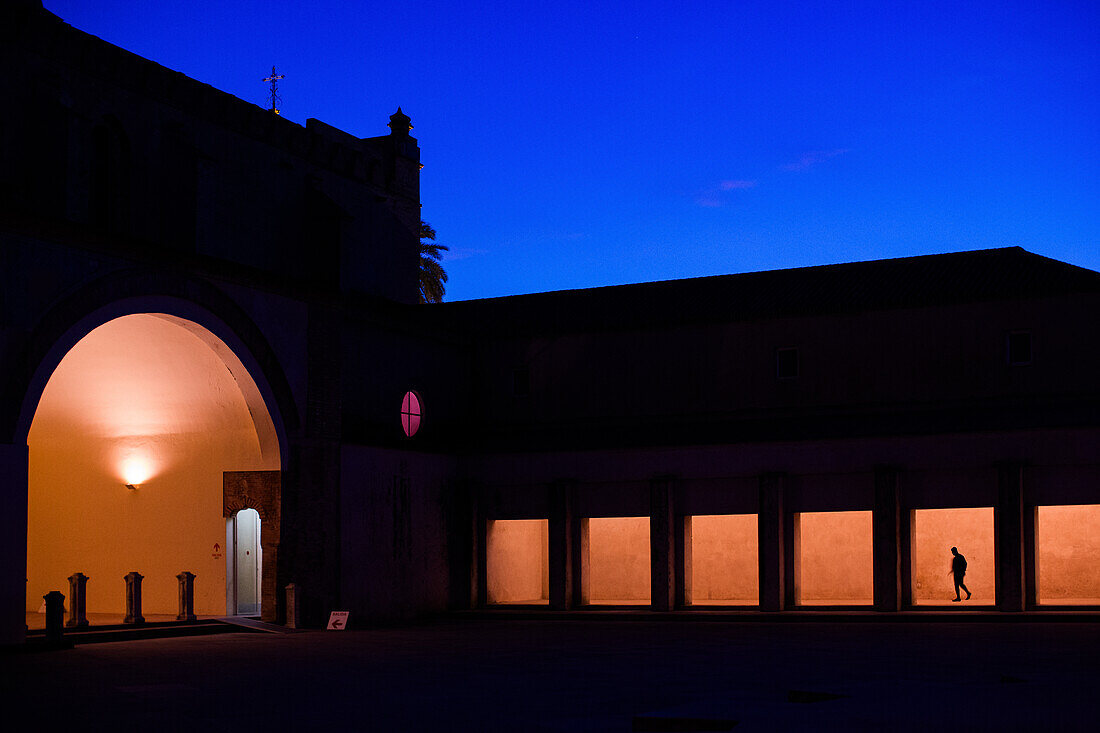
x: 786, y: 363
x: 1019, y: 348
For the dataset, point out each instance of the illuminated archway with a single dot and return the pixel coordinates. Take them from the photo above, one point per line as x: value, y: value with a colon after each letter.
x: 129, y: 441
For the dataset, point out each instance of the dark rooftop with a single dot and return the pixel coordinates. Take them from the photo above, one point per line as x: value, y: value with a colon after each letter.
x: 907, y: 282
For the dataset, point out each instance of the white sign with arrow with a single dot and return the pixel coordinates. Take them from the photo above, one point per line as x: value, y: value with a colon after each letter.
x: 338, y: 620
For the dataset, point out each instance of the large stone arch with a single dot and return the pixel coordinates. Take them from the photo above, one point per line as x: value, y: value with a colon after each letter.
x: 191, y: 303
x: 147, y: 290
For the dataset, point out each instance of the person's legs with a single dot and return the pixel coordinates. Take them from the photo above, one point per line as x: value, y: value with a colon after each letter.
x: 963, y: 586
x: 957, y: 584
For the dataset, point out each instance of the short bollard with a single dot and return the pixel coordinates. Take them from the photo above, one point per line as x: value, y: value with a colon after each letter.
x: 133, y: 599
x: 187, y: 596
x: 78, y: 601
x: 293, y: 607
x: 55, y: 615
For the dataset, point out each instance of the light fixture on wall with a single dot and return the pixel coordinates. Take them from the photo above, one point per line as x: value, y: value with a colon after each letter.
x: 132, y: 487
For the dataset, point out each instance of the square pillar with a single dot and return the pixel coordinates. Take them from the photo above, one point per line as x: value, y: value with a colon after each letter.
x: 1031, y: 557
x: 792, y: 557
x: 662, y: 552
x: 774, y: 528
x: 886, y: 540
x: 561, y: 549
x: 1008, y: 536
x: 907, y: 518
x: 578, y: 530
x: 682, y: 545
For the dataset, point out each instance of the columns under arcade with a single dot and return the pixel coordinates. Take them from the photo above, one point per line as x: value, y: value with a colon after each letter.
x: 876, y: 540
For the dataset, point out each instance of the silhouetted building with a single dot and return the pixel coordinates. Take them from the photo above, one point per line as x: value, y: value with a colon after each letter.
x: 207, y: 309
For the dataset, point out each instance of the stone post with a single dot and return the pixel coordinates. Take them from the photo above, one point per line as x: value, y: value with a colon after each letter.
x: 561, y: 545
x: 187, y: 596
x: 662, y: 553
x: 55, y: 615
x: 683, y: 560
x: 578, y: 530
x: 772, y: 544
x: 886, y: 540
x: 133, y: 599
x: 293, y: 607
x: 78, y: 600
x: 1008, y: 534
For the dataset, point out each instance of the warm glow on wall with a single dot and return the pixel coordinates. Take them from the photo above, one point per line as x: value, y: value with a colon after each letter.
x: 837, y: 564
x: 618, y: 560
x: 724, y: 560
x: 136, y: 470
x: 518, y: 564
x: 935, y: 532
x: 142, y: 401
x: 1068, y: 554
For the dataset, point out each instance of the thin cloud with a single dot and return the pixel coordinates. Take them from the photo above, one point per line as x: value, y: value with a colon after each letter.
x: 712, y: 197
x: 813, y: 157
x: 732, y: 185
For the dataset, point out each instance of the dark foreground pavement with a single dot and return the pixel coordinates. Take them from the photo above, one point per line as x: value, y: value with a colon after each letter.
x: 516, y: 675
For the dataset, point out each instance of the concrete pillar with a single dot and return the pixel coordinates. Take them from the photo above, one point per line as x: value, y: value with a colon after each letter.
x: 1008, y: 534
x: 906, y: 519
x: 187, y: 596
x: 792, y: 557
x: 13, y: 543
x: 55, y: 615
x: 662, y: 553
x: 133, y: 599
x: 886, y: 540
x: 561, y: 545
x: 578, y: 530
x: 1031, y: 555
x: 293, y: 607
x: 78, y: 601
x: 772, y: 544
x: 682, y: 545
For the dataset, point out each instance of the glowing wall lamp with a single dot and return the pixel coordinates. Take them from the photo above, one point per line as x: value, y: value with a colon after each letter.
x: 135, y: 471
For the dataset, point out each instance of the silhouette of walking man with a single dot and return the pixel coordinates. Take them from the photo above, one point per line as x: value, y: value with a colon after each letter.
x: 958, y: 569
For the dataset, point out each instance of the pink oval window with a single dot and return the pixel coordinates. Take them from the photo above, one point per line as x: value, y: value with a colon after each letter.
x: 410, y: 413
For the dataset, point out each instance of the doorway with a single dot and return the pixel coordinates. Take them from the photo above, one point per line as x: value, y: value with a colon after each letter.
x: 243, y: 563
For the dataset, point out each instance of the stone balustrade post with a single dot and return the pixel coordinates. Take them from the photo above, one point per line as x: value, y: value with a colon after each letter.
x: 133, y: 599
x: 78, y: 601
x: 55, y: 615
x: 187, y: 596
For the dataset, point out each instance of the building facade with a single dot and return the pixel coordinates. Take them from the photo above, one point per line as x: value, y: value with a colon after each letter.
x: 209, y: 309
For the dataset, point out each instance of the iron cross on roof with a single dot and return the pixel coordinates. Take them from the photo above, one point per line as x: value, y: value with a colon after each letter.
x: 274, y: 81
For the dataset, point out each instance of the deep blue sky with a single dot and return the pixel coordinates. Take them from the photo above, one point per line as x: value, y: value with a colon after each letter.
x: 595, y: 143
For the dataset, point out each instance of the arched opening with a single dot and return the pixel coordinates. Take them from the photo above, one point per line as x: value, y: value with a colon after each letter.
x: 129, y: 446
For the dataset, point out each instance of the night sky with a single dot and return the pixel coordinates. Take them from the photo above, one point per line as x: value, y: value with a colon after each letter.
x: 571, y: 145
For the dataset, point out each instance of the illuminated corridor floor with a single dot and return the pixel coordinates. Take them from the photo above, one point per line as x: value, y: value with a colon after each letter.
x: 516, y: 675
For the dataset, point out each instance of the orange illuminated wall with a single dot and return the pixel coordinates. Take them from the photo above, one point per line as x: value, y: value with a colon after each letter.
x: 1069, y: 554
x: 724, y: 569
x: 935, y: 532
x: 146, y: 400
x: 618, y: 557
x: 837, y: 564
x: 518, y: 566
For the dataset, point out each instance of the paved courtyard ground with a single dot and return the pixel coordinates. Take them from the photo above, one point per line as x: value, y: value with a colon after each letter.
x: 518, y: 675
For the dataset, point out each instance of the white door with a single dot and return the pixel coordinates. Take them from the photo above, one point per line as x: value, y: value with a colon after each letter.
x: 244, y: 563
